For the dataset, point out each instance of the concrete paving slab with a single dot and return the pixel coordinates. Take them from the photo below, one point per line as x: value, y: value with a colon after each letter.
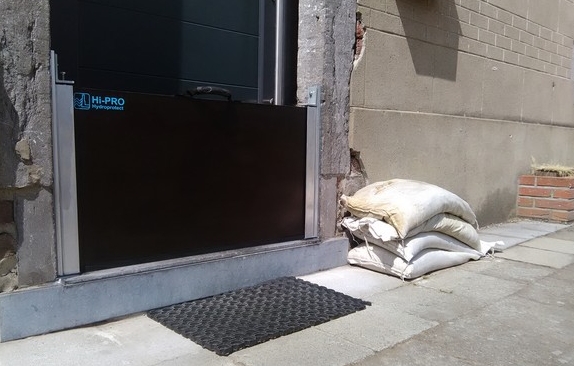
x: 551, y: 244
x: 136, y: 340
x: 354, y: 281
x: 515, y: 308
x: 378, y: 327
x: 508, y: 241
x: 508, y: 270
x: 551, y: 291
x: 309, y: 347
x: 192, y: 359
x: 514, y: 331
x: 548, y: 227
x: 534, y: 225
x: 416, y: 353
x: 476, y: 287
x: 565, y: 234
x: 566, y: 273
x: 537, y: 256
x: 512, y: 232
x: 425, y: 303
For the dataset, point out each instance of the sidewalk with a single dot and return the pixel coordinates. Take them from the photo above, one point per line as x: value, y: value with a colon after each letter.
x: 514, y: 309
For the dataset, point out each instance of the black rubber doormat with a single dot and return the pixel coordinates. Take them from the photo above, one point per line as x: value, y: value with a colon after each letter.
x: 235, y: 320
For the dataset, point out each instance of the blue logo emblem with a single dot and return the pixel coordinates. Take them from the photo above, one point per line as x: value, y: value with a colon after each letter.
x: 86, y: 102
x: 82, y: 101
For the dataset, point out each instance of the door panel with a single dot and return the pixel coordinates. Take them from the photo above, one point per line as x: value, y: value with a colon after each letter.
x: 162, y: 47
x: 172, y: 176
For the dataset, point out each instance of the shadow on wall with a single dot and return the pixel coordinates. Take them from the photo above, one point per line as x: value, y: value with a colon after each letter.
x: 432, y: 31
x: 8, y: 121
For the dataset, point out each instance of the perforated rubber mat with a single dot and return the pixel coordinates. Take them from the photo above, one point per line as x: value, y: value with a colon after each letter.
x: 235, y: 320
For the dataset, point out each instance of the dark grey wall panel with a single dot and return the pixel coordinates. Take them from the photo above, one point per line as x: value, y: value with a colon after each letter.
x: 236, y: 15
x: 137, y: 43
x: 160, y: 47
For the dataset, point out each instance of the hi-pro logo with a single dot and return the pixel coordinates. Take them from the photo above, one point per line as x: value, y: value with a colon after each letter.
x: 82, y: 101
x: 86, y: 101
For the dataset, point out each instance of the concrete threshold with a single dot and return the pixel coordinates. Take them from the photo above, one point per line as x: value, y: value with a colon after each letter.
x: 102, y: 295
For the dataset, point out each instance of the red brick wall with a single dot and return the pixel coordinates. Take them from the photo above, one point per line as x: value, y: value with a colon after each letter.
x: 543, y: 197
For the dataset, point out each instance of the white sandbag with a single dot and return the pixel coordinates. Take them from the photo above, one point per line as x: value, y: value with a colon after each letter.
x: 381, y: 260
x: 406, y: 204
x: 452, y: 226
x: 411, y: 247
x: 377, y: 230
x: 461, y: 235
x: 457, y: 228
x: 370, y: 229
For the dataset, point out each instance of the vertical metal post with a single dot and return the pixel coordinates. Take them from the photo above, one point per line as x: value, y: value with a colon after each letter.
x: 312, y: 176
x: 68, y: 253
x: 280, y: 51
x: 261, y: 53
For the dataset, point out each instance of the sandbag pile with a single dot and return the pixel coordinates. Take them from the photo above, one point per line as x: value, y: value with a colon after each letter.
x: 410, y: 228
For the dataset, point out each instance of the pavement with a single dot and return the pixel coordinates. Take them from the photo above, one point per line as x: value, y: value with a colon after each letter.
x: 513, y: 308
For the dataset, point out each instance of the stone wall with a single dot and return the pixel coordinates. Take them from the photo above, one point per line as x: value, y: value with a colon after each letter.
x: 464, y: 93
x: 326, y: 41
x: 26, y: 199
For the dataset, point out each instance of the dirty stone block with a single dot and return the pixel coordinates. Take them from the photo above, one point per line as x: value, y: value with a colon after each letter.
x: 9, y: 282
x: 37, y: 252
x: 23, y: 150
x: 8, y: 263
x: 28, y: 175
x: 329, y: 207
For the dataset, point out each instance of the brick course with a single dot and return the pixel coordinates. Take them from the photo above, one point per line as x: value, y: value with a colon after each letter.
x: 544, y: 197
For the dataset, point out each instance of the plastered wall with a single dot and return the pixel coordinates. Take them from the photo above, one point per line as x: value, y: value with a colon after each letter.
x: 463, y: 94
x: 26, y: 183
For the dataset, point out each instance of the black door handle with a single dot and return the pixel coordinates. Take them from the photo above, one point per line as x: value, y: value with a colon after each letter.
x: 210, y: 90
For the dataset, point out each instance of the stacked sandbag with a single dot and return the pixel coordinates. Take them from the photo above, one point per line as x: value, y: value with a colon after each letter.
x: 410, y: 228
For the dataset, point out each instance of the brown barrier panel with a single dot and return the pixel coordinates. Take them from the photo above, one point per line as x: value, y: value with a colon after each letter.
x: 161, y: 177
